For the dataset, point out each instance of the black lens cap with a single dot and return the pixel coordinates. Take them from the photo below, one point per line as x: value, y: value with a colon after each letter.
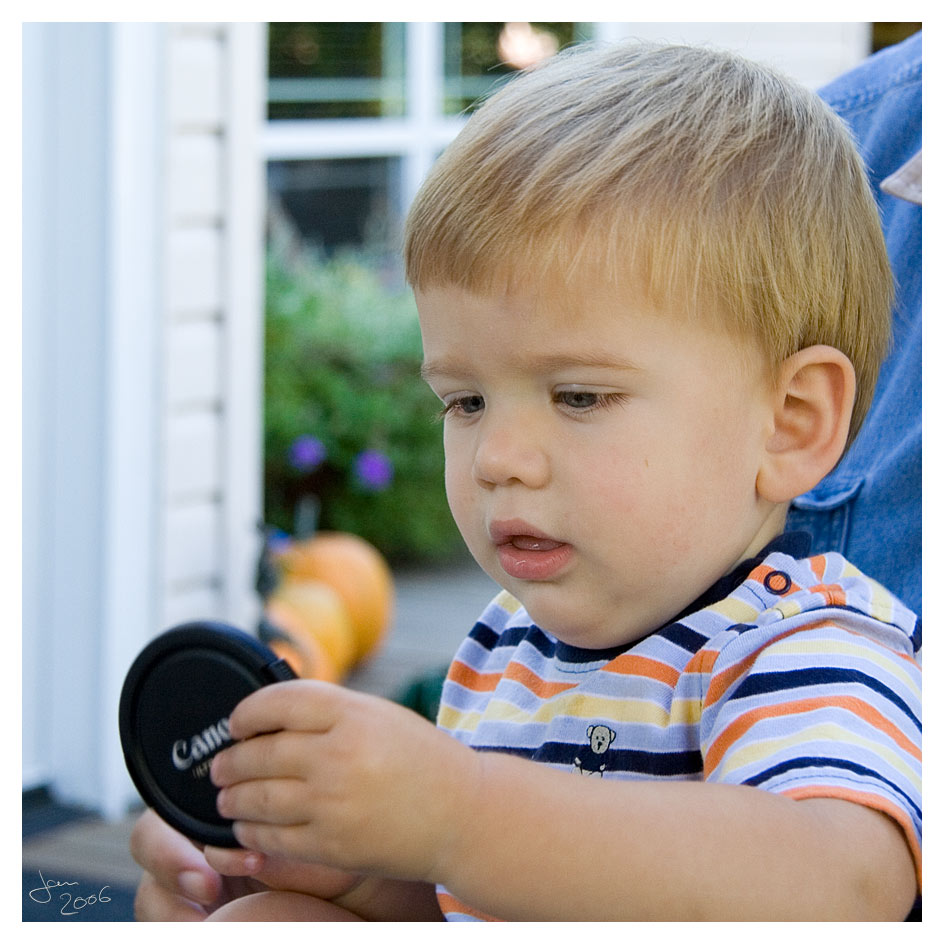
x: 174, y: 717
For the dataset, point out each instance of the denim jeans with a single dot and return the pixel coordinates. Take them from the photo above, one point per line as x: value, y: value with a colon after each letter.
x: 870, y: 507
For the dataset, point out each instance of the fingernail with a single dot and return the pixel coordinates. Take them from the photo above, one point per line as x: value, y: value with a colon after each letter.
x: 194, y: 886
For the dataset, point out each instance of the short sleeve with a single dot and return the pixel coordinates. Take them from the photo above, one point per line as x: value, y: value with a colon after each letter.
x: 823, y: 710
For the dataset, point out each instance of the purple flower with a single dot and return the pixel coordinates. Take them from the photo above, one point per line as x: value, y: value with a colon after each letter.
x: 306, y: 453
x: 373, y: 470
x: 277, y: 541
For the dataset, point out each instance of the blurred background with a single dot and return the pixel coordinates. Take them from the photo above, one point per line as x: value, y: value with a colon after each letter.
x: 220, y: 354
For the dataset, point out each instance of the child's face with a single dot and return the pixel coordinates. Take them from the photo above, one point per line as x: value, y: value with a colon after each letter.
x: 601, y: 456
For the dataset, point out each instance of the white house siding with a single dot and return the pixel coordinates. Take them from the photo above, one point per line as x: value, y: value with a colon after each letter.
x: 210, y: 411
x: 143, y: 232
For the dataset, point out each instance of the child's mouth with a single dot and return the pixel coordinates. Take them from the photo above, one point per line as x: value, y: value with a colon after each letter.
x: 526, y: 553
x: 527, y: 543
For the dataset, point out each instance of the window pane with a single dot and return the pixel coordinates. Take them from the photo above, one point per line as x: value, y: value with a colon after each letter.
x: 336, y: 70
x: 479, y: 57
x: 333, y: 204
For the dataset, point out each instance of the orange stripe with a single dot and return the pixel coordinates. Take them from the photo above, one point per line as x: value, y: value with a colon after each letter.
x: 450, y: 903
x: 833, y: 594
x: 818, y: 564
x: 725, y: 679
x: 837, y: 625
x: 871, y: 639
x: 828, y: 622
x: 875, y: 801
x: 534, y: 683
x: 468, y: 678
x: 850, y: 703
x: 629, y: 664
x: 702, y: 662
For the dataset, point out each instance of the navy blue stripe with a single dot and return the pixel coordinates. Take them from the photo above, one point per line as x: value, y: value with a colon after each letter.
x: 527, y: 753
x: 539, y: 640
x: 579, y: 654
x: 484, y: 635
x: 512, y: 638
x: 816, y: 762
x: 685, y: 637
x: 763, y: 683
x: 654, y: 763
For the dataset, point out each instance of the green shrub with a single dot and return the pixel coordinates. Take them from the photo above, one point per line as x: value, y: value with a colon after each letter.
x: 347, y: 418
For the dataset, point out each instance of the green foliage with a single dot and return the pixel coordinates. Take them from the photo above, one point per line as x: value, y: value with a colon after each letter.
x: 343, y: 354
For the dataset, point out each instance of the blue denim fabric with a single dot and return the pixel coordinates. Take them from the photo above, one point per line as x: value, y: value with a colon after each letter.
x: 870, y: 507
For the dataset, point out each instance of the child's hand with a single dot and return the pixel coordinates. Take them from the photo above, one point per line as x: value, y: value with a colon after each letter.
x: 182, y: 882
x: 344, y: 779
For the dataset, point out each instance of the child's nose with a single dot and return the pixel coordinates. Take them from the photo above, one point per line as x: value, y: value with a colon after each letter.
x: 511, y: 451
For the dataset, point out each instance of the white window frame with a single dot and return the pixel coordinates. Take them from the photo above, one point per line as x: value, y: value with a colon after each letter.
x: 424, y: 131
x: 416, y: 138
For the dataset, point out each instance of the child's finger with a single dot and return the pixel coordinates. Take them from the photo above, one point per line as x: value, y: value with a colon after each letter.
x: 280, y: 755
x: 277, y: 839
x: 166, y: 856
x: 300, y: 705
x: 279, y: 872
x: 271, y: 801
x: 230, y: 861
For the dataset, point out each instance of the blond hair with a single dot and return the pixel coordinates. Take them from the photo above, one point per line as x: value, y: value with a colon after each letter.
x: 721, y: 183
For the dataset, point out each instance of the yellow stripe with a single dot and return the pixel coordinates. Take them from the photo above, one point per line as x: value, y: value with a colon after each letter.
x: 457, y: 721
x: 507, y: 602
x: 581, y: 706
x: 850, y: 570
x: 736, y: 610
x: 801, y: 644
x: 788, y: 608
x: 825, y: 731
x: 685, y: 712
x: 882, y: 604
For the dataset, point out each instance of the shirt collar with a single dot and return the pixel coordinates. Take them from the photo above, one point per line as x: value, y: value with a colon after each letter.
x: 796, y: 544
x: 906, y: 182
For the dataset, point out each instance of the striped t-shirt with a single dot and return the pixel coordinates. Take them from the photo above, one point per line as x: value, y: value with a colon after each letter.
x: 801, y: 678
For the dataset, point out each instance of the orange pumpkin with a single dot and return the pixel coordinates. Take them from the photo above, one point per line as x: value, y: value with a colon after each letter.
x: 315, y: 619
x: 357, y: 571
x: 297, y: 646
x: 306, y: 657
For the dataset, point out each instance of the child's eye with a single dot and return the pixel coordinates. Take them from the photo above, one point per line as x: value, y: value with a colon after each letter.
x: 463, y: 406
x: 584, y: 401
x: 579, y: 399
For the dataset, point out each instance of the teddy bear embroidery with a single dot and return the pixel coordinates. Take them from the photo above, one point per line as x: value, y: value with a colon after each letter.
x: 590, y: 758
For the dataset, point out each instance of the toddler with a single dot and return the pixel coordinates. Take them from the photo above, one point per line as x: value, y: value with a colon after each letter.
x: 654, y: 298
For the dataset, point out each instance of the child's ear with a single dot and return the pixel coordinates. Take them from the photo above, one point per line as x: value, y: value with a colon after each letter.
x: 812, y: 407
